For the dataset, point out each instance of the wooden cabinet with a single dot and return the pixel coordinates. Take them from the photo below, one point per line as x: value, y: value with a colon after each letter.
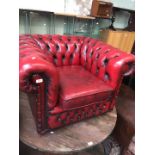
x: 124, y: 40
x: 101, y: 9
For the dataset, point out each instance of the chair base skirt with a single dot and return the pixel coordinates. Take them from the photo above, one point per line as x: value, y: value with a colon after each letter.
x: 58, y: 118
x: 67, y: 117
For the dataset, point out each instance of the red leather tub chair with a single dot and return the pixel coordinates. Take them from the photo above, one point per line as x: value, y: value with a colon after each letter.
x: 70, y: 78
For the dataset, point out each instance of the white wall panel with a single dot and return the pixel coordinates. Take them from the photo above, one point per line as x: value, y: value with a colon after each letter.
x: 126, y: 4
x: 44, y: 5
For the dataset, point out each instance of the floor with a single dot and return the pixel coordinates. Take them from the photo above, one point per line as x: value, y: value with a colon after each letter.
x: 109, y: 147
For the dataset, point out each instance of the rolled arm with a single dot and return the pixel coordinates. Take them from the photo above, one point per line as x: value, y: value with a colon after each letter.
x: 119, y: 67
x: 34, y: 64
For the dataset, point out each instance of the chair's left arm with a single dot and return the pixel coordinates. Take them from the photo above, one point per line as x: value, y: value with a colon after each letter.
x: 107, y: 63
x: 117, y: 68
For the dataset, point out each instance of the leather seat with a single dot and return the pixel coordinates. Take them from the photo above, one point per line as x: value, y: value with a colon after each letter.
x: 78, y: 87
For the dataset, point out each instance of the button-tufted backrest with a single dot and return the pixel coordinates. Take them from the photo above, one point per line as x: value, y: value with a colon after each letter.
x: 62, y: 50
x: 99, y: 58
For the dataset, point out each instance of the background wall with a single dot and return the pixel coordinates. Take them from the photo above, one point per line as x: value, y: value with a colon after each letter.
x: 48, y: 23
x: 70, y: 5
x: 126, y: 4
x: 44, y: 5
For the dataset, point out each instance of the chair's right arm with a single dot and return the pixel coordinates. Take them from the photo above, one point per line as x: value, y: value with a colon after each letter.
x: 34, y: 66
x: 38, y: 76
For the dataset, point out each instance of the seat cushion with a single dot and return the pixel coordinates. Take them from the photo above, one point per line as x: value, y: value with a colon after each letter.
x: 79, y: 87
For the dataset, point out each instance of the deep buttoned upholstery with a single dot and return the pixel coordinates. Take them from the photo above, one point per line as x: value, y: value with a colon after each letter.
x: 80, y: 76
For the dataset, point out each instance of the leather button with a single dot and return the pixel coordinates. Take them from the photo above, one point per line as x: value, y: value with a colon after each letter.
x: 79, y: 117
x: 71, y: 120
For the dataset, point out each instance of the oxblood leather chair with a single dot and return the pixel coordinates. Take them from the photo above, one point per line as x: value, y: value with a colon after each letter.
x: 70, y: 78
